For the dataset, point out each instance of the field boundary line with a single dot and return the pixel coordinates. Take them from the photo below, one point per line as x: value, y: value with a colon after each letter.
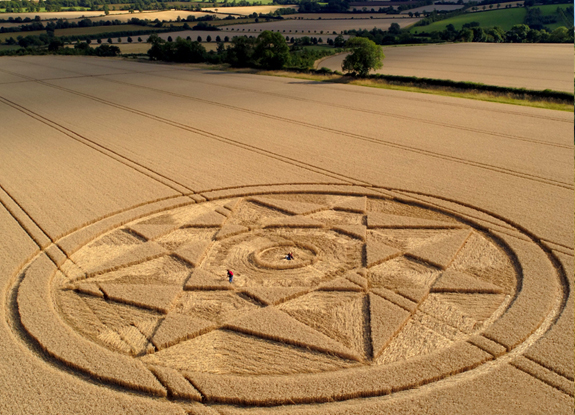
x: 528, y: 176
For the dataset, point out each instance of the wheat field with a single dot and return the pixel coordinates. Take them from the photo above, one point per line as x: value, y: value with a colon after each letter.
x: 531, y: 66
x: 432, y: 242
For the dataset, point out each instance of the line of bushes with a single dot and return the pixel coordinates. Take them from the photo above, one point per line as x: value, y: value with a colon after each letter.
x: 470, y: 32
x: 519, y: 93
x: 268, y: 51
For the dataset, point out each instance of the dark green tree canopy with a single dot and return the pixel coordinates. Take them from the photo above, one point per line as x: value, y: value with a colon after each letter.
x: 272, y: 51
x: 365, y: 55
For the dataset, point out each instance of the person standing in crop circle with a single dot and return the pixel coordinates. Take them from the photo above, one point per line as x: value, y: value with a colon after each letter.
x: 230, y: 276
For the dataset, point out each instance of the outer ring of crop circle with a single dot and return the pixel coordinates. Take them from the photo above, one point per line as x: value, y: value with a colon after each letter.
x: 328, y: 395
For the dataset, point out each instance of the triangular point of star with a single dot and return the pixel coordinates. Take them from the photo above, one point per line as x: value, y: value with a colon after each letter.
x: 355, y: 231
x: 150, y: 231
x: 89, y: 288
x: 193, y: 252
x: 355, y: 205
x: 357, y: 279
x: 339, y: 284
x: 178, y: 327
x: 442, y: 252
x: 153, y: 297
x: 385, y: 220
x: 293, y: 222
x: 459, y: 282
x: 288, y: 206
x: 204, y: 280
x: 377, y: 252
x: 274, y: 295
x: 416, y: 294
x: 270, y: 323
x: 139, y: 253
x: 386, y: 320
x: 230, y: 230
x: 232, y: 205
x: 208, y: 220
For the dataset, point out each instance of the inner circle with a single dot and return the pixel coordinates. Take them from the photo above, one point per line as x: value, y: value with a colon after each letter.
x: 277, y: 256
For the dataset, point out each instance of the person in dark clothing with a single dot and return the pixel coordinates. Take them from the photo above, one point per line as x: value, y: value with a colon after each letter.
x: 289, y: 256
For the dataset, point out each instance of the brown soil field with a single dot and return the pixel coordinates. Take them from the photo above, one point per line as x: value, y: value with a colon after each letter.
x: 330, y: 26
x: 331, y: 16
x: 438, y: 7
x: 247, y: 10
x: 432, y: 242
x: 531, y: 66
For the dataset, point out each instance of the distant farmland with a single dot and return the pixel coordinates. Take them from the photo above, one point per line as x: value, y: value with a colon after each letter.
x: 532, y: 66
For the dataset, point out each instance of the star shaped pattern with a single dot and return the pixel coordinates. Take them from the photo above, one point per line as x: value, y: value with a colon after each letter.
x: 368, y: 284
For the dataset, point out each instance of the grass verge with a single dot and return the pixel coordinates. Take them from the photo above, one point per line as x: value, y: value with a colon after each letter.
x: 513, y: 96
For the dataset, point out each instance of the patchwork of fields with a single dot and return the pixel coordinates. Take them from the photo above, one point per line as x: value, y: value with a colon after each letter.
x: 432, y: 241
x: 531, y: 66
x: 337, y: 26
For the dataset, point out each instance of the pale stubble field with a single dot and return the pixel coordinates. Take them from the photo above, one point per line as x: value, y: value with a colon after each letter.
x: 531, y: 66
x: 433, y: 240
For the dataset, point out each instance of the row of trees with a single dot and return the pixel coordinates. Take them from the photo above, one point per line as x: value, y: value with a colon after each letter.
x: 268, y: 51
x: 470, y: 32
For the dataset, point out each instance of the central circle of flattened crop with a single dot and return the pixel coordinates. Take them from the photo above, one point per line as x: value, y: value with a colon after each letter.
x: 275, y: 257
x: 372, y: 283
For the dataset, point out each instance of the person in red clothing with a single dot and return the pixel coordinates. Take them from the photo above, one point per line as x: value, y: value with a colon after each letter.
x: 230, y: 276
x: 289, y: 256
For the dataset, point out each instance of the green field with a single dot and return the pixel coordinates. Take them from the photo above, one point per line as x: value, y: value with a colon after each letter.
x: 79, y: 31
x: 505, y: 18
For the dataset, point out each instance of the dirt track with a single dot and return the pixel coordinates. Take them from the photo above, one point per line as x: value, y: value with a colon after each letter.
x: 90, y: 145
x: 532, y: 66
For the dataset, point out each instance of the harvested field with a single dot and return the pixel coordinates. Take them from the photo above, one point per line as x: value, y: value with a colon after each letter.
x: 247, y: 10
x: 531, y: 66
x: 438, y: 7
x: 331, y: 16
x: 432, y: 241
x: 327, y: 26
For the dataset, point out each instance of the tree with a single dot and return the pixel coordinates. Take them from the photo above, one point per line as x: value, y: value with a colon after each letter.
x: 199, y: 38
x: 99, y: 41
x: 109, y: 40
x: 170, y: 39
x: 130, y: 40
x: 119, y: 40
x: 339, y: 41
x: 139, y: 39
x: 365, y: 55
x: 518, y: 33
x: 208, y: 38
x: 272, y: 51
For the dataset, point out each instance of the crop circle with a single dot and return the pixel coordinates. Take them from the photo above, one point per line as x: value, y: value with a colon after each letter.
x: 395, y: 294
